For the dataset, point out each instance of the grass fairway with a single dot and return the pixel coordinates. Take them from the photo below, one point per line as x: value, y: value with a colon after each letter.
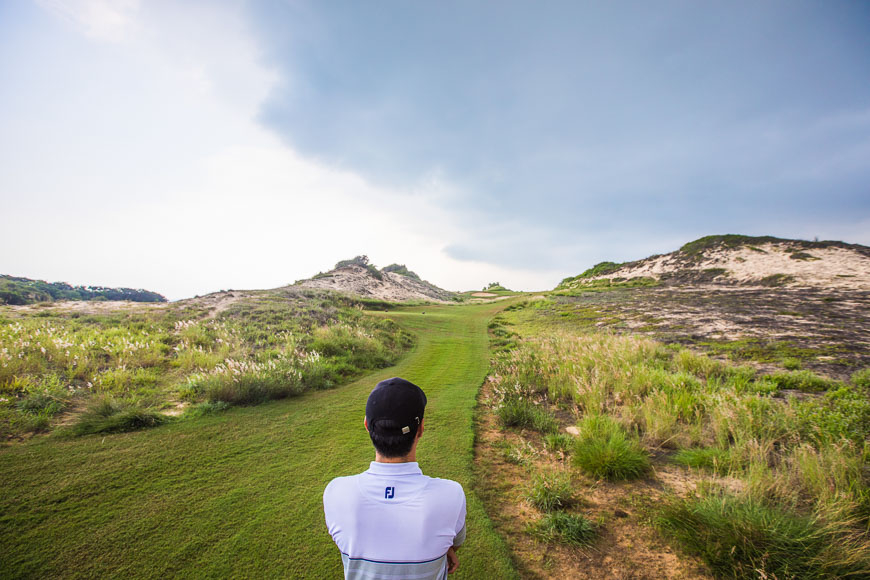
x: 239, y: 494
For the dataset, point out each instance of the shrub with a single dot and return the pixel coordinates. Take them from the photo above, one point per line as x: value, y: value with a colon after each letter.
x: 605, y: 450
x: 842, y: 413
x: 861, y: 378
x: 548, y: 492
x: 571, y: 529
x: 517, y: 412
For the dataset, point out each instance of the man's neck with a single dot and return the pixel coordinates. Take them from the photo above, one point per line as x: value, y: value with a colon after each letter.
x: 412, y: 456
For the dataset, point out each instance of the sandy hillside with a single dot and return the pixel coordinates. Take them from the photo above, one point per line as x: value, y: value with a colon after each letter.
x: 356, y: 279
x: 785, y: 262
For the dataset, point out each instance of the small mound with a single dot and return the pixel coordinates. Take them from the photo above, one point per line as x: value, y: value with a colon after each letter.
x: 364, y: 280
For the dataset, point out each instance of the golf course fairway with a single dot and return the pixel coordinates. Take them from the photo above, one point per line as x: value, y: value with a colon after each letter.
x: 239, y: 494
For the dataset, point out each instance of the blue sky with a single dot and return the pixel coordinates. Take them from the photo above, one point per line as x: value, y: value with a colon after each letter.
x: 188, y: 147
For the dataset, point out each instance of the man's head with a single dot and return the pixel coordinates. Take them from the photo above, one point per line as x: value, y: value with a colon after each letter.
x: 394, y: 412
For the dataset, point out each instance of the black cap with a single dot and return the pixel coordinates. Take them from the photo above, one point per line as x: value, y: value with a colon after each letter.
x: 397, y: 400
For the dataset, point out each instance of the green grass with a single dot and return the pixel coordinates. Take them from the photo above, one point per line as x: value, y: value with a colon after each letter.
x: 571, y: 529
x: 523, y: 413
x: 605, y: 450
x: 268, y: 345
x: 742, y: 538
x: 239, y: 493
x: 550, y: 491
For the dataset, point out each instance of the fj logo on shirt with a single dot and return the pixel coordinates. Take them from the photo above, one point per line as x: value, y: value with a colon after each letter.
x: 390, y: 492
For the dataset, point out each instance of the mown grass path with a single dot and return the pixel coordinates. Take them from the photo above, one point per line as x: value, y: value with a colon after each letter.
x: 238, y: 495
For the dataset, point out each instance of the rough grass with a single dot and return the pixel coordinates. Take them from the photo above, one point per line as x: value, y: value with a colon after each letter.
x: 799, y: 462
x: 550, y: 491
x: 267, y: 345
x: 571, y: 529
x: 604, y: 450
x: 745, y: 538
x: 524, y: 413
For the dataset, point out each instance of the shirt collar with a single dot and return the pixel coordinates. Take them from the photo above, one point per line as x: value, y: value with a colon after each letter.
x: 407, y: 468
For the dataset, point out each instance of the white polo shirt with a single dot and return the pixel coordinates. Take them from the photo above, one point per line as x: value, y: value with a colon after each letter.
x: 394, y: 522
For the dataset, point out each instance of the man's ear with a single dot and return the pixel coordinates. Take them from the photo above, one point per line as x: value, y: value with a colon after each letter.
x: 366, y: 423
x: 420, y: 428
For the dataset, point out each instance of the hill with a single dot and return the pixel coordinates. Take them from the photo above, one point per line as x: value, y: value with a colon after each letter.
x: 736, y: 260
x: 394, y: 282
x: 20, y: 291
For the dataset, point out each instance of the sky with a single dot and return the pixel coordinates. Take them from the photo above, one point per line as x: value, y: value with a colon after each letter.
x: 189, y: 147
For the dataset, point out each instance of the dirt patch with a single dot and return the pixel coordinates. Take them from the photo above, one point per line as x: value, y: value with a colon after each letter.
x: 626, y: 547
x: 217, y: 302
x: 82, y: 307
x: 483, y: 294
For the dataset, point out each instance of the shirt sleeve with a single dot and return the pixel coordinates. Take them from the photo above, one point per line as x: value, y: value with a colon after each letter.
x: 459, y: 538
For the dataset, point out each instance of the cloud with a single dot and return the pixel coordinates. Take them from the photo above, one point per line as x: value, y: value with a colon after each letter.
x: 149, y: 169
x: 584, y: 120
x: 104, y: 20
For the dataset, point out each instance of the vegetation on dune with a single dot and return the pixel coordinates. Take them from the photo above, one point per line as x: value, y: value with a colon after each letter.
x: 136, y: 363
x: 731, y: 241
x: 802, y: 507
x: 495, y: 287
x: 400, y: 269
x: 20, y: 291
x: 362, y: 261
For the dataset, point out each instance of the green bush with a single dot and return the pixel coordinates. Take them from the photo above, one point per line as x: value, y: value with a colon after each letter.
x: 842, y: 413
x: 605, y: 450
x: 571, y: 529
x: 861, y: 378
x: 548, y: 492
x: 516, y: 412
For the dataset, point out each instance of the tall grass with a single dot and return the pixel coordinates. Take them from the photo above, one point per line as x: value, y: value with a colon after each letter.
x: 803, y: 509
x: 604, y: 450
x: 271, y: 345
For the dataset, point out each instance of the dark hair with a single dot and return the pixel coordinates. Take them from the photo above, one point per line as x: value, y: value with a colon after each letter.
x: 388, y: 439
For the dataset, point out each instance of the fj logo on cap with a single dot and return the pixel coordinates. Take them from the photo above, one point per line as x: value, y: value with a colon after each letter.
x: 390, y: 493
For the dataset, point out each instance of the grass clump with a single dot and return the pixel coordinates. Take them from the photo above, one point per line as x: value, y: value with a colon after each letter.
x: 572, y: 529
x: 605, y: 450
x: 550, y: 491
x: 745, y: 538
x: 206, y: 408
x: 109, y: 416
x: 861, y: 378
x: 559, y: 442
x: 517, y: 412
x: 712, y: 458
x: 806, y: 381
x: 776, y: 280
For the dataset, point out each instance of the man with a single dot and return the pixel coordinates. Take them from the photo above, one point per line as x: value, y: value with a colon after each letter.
x: 392, y: 521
